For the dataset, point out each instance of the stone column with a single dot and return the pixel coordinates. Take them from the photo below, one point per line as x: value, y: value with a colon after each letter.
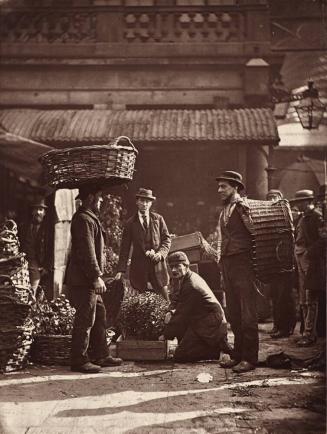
x: 256, y: 171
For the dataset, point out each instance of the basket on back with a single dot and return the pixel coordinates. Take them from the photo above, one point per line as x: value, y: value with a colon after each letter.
x: 273, y: 238
x: 71, y: 167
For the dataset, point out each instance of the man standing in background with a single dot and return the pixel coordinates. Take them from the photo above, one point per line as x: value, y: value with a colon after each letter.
x: 35, y: 244
x: 147, y: 233
x: 281, y: 287
x: 308, y: 258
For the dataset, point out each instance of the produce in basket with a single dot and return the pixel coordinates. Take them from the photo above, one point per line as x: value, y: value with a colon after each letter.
x: 53, y: 317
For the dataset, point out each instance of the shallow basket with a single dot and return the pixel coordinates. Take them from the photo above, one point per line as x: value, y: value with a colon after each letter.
x: 70, y: 168
x: 51, y: 349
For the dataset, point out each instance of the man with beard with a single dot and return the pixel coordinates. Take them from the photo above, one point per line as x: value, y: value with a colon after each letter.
x: 35, y: 244
x: 198, y: 320
x: 234, y: 251
x: 84, y: 279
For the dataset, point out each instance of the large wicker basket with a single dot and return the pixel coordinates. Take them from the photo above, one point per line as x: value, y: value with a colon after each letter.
x: 111, y: 164
x: 51, y: 349
x: 273, y: 238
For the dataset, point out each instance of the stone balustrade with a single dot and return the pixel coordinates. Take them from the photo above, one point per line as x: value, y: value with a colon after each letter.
x: 175, y: 25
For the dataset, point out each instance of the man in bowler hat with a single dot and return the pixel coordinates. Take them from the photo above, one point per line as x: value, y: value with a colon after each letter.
x: 234, y: 251
x: 84, y: 279
x: 197, y: 320
x: 147, y: 233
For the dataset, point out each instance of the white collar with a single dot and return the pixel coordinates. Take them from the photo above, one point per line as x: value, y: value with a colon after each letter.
x: 141, y: 216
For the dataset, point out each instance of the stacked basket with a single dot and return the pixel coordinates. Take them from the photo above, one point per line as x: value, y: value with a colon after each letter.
x: 15, y: 325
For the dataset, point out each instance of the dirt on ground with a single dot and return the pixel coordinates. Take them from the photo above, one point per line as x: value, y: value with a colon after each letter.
x: 164, y: 397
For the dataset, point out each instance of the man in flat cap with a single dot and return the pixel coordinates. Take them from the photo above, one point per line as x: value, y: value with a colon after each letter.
x: 84, y: 280
x: 234, y: 252
x: 310, y: 274
x: 198, y: 320
x: 147, y: 233
x: 281, y: 287
x: 35, y: 244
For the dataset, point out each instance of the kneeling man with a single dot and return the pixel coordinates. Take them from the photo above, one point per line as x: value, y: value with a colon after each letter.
x: 198, y: 322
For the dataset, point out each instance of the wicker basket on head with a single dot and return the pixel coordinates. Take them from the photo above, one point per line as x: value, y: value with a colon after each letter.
x: 110, y: 164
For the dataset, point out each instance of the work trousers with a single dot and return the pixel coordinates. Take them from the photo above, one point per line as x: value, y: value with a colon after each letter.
x: 202, y: 345
x: 283, y: 303
x: 241, y: 312
x: 308, y: 299
x: 89, y: 330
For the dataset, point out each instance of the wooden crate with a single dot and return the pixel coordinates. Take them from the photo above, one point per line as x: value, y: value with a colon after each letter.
x: 191, y: 244
x: 144, y: 350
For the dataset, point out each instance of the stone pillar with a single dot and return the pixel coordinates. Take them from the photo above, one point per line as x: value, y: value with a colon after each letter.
x: 256, y: 171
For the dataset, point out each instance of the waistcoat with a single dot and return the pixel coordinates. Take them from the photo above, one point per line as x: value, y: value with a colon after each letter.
x: 235, y: 236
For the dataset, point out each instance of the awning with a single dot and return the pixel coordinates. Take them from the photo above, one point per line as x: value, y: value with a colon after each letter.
x: 20, y: 155
x: 75, y: 127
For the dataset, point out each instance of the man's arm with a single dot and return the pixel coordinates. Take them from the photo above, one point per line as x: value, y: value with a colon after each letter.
x: 83, y: 233
x: 125, y: 248
x: 182, y: 317
x: 165, y: 239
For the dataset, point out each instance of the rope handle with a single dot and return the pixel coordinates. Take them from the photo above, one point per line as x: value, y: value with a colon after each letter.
x: 116, y: 141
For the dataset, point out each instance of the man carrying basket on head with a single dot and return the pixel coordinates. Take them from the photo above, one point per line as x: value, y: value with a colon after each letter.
x: 147, y: 232
x: 84, y: 279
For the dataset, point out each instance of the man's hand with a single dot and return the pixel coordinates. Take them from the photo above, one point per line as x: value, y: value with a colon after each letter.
x: 156, y: 258
x: 99, y: 286
x: 118, y: 276
x: 168, y: 317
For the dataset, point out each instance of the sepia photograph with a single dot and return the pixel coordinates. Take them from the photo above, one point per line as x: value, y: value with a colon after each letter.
x: 163, y: 216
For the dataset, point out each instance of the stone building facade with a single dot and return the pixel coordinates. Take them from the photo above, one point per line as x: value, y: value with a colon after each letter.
x: 188, y: 81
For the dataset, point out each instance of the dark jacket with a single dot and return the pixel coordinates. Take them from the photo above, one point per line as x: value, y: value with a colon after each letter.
x: 197, y: 307
x: 87, y: 258
x: 35, y: 244
x: 134, y: 236
x: 311, y: 221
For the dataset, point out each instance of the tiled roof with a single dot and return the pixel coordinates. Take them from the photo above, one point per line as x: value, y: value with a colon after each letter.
x: 80, y: 126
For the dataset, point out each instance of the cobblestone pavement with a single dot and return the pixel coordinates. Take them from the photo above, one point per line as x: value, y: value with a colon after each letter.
x: 167, y: 398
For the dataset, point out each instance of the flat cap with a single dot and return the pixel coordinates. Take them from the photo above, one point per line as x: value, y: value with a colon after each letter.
x: 178, y: 258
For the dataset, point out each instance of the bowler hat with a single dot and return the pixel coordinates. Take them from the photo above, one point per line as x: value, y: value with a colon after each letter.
x: 178, y: 258
x: 230, y: 175
x: 274, y: 192
x: 303, y: 195
x: 39, y: 203
x: 86, y: 189
x: 145, y: 193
